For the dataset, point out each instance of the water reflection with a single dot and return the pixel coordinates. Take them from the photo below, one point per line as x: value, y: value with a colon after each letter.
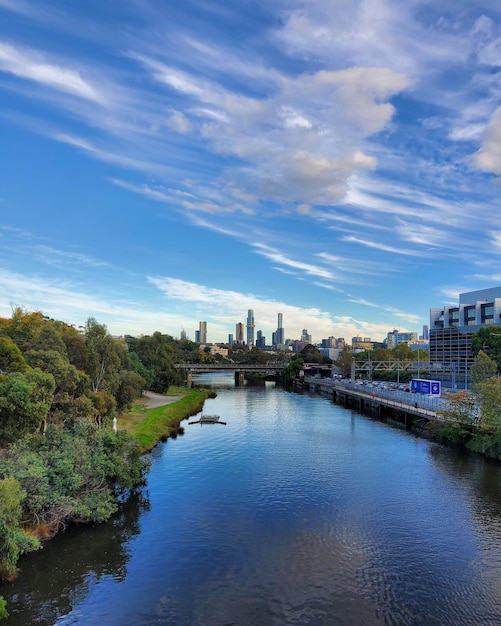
x: 55, y: 579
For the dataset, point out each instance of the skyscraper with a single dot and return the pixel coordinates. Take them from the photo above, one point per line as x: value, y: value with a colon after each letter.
x: 280, y: 335
x: 239, y: 333
x: 203, y: 332
x: 250, y: 328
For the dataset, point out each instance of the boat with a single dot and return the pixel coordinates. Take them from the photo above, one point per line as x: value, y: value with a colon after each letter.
x: 208, y: 419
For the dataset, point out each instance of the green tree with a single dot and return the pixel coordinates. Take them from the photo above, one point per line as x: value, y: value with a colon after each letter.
x: 11, y: 357
x: 130, y: 387
x: 482, y: 368
x: 25, y: 400
x: 489, y: 396
x: 488, y: 339
x: 403, y: 352
x: 13, y: 540
x: 103, y: 359
x: 344, y: 361
x: 70, y: 385
x: 3, y: 608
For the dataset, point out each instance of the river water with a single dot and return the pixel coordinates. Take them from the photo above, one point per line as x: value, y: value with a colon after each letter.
x: 297, y: 511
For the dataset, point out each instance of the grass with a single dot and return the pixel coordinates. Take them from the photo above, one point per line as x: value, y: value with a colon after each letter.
x: 150, y: 426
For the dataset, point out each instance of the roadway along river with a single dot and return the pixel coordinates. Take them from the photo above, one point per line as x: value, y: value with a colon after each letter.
x: 296, y: 512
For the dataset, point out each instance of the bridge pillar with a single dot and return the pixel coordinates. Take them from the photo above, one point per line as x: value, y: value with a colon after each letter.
x: 189, y: 379
x: 239, y: 379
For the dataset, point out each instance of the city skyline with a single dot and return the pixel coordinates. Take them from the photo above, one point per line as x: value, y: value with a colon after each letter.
x: 166, y: 163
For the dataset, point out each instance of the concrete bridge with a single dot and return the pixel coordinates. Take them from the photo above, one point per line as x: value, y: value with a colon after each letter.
x: 269, y: 369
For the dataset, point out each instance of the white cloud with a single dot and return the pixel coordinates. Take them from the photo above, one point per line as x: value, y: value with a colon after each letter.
x: 32, y: 65
x: 488, y: 158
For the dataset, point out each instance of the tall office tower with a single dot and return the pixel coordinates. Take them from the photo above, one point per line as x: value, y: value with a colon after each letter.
x: 239, y: 333
x: 197, y: 336
x: 426, y: 332
x: 260, y: 341
x: 250, y: 328
x: 280, y: 335
x: 183, y: 335
x: 230, y: 339
x: 203, y: 332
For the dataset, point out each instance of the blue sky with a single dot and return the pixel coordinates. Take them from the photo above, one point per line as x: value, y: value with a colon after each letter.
x: 163, y: 163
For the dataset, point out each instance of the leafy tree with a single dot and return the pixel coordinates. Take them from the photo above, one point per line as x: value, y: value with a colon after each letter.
x: 156, y: 353
x: 292, y: 370
x: 380, y: 354
x: 403, y: 352
x: 489, y: 396
x: 11, y: 358
x: 344, y: 361
x: 130, y: 387
x: 103, y: 359
x: 488, y: 339
x: 25, y: 400
x: 3, y: 608
x: 23, y: 327
x: 70, y: 384
x: 482, y: 368
x: 311, y: 354
x: 104, y: 406
x: 13, y: 540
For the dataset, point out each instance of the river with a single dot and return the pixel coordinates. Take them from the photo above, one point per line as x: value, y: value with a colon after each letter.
x: 297, y: 511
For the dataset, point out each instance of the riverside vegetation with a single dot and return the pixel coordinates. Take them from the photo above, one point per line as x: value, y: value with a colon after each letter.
x: 60, y: 388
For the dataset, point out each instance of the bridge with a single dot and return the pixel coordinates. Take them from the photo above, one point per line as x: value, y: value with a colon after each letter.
x: 365, y: 368
x: 269, y: 369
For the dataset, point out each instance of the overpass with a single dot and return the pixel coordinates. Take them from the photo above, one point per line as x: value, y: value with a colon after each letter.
x: 269, y: 369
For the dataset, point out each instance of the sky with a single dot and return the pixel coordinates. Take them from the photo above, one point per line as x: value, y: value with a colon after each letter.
x: 169, y: 162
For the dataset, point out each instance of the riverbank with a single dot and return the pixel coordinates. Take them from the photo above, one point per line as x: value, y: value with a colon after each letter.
x: 155, y: 417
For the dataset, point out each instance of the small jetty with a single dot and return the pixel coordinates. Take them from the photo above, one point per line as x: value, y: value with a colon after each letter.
x: 208, y: 419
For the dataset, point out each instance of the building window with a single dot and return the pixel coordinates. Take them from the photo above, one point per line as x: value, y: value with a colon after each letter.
x: 453, y: 318
x: 470, y: 317
x: 487, y: 313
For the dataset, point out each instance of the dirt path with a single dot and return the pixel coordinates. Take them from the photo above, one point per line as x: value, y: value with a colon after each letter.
x: 153, y: 400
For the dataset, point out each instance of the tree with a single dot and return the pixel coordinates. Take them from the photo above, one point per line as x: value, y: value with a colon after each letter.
x: 104, y: 362
x: 11, y: 358
x: 25, y: 400
x: 482, y: 368
x: 403, y: 352
x: 488, y: 339
x: 489, y: 396
x: 130, y: 387
x: 344, y: 361
x: 13, y: 540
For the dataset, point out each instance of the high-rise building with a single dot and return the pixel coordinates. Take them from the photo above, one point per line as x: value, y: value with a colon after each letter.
x: 202, y: 332
x: 279, y: 334
x: 183, y: 335
x: 239, y: 333
x: 230, y: 339
x: 250, y: 328
x: 260, y: 341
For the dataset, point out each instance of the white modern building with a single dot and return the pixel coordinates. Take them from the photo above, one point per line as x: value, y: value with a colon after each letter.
x: 451, y: 329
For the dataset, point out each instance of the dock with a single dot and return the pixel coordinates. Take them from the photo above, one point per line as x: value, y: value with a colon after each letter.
x: 208, y: 419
